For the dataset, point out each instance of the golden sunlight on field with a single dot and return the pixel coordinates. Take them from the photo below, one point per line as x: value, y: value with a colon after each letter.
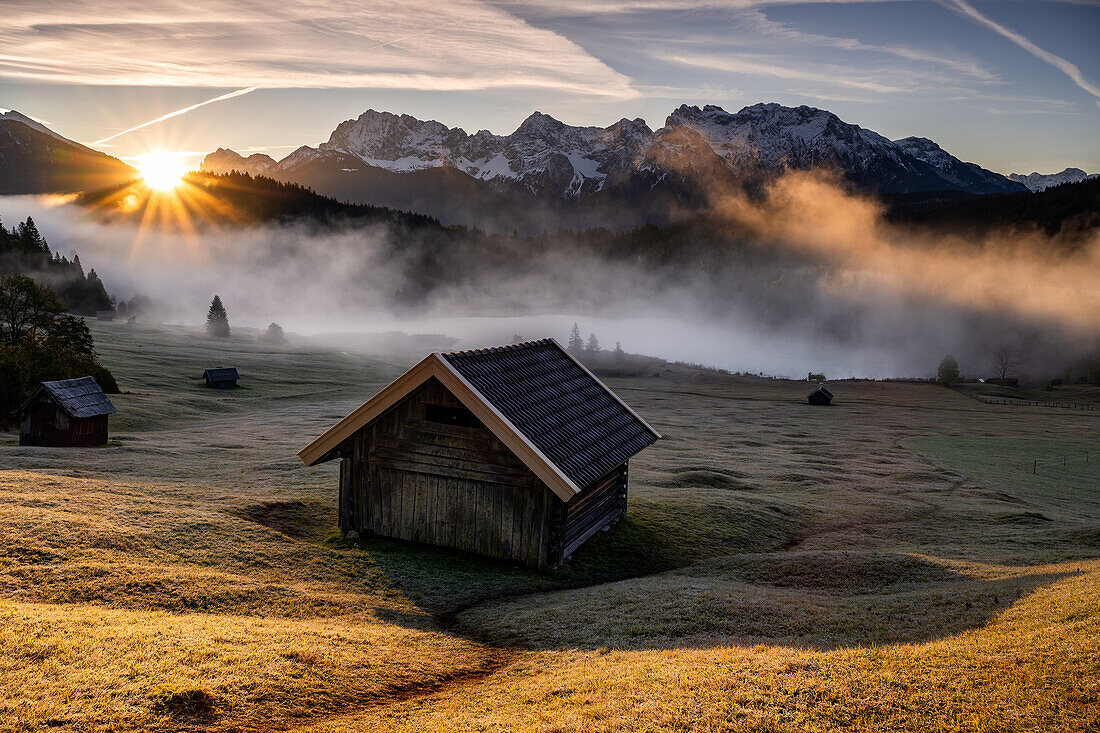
x: 781, y: 567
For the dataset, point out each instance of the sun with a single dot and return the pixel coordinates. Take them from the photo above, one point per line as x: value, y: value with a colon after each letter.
x: 161, y: 171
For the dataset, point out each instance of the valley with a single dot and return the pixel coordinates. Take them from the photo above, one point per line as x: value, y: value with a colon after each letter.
x: 781, y: 566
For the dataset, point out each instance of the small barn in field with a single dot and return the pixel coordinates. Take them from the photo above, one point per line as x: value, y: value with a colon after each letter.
x: 68, y: 412
x: 516, y: 452
x: 820, y: 396
x: 221, y: 377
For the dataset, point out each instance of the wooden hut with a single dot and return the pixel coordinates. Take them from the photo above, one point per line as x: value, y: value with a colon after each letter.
x: 516, y: 452
x: 69, y: 412
x: 221, y: 377
x: 820, y: 396
x: 105, y: 315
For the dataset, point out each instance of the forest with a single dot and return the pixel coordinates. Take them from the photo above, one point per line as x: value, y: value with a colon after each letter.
x: 24, y: 250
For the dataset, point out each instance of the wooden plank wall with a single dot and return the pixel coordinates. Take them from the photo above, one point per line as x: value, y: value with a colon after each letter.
x: 445, y: 485
x: 601, y: 503
x: 45, y: 423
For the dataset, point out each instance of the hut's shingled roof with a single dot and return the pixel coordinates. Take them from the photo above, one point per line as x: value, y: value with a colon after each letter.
x: 81, y: 397
x: 823, y: 391
x: 558, y: 405
x: 221, y: 374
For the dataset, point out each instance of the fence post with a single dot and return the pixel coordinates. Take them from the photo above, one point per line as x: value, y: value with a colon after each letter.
x: 1035, y: 467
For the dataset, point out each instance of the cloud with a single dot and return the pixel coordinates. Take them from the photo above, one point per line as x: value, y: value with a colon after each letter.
x: 966, y: 9
x: 399, y: 44
x: 755, y: 65
x: 758, y: 22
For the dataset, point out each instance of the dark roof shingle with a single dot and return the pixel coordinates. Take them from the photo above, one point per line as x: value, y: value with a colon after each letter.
x: 81, y: 397
x: 562, y: 409
x: 221, y: 374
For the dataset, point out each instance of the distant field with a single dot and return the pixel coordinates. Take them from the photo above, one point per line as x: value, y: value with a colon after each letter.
x: 893, y: 562
x: 1079, y: 395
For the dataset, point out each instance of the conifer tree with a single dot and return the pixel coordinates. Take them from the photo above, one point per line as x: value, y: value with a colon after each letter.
x: 30, y: 237
x: 217, y: 320
x: 576, y: 343
x: 593, y: 344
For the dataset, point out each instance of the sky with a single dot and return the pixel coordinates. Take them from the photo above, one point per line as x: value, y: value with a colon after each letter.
x: 1013, y: 85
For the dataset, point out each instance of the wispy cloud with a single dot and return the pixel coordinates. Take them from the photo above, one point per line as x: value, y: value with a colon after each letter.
x: 757, y: 21
x: 392, y: 44
x: 752, y: 65
x: 1067, y: 68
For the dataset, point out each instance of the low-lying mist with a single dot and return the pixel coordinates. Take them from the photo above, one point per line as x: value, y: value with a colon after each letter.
x: 805, y: 278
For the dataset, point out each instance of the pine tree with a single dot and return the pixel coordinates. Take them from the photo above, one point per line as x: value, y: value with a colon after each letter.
x: 217, y: 320
x: 576, y: 343
x: 30, y: 238
x: 593, y: 344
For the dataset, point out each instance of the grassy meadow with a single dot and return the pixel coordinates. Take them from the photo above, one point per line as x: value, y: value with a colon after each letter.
x: 890, y: 562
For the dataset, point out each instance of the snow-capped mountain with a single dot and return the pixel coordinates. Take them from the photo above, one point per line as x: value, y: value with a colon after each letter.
x: 224, y: 160
x: 557, y: 169
x: 543, y: 155
x: 770, y: 137
x: 966, y: 176
x: 1040, y: 181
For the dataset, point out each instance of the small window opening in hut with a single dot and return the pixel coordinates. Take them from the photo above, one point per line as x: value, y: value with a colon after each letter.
x: 452, y: 416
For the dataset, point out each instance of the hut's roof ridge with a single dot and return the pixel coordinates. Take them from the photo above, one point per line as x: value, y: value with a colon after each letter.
x: 218, y: 374
x: 80, y: 397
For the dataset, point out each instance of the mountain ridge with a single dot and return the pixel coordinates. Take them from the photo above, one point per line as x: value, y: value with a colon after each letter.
x: 35, y: 159
x: 1040, y: 181
x: 553, y: 171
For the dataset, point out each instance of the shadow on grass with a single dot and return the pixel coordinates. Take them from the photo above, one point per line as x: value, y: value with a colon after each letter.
x: 654, y: 537
x: 833, y: 603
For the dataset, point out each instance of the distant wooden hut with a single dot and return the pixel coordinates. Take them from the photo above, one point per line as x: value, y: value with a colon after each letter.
x: 820, y: 396
x: 516, y: 452
x: 811, y: 377
x: 69, y: 412
x: 221, y: 377
x: 105, y: 315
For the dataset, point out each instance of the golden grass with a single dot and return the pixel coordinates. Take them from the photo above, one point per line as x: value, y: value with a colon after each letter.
x: 887, y: 563
x: 99, y: 668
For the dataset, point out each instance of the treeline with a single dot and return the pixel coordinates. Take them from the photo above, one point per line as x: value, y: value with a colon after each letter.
x: 1071, y: 211
x: 24, y: 250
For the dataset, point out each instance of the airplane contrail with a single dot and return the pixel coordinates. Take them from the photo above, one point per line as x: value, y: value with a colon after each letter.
x: 177, y: 113
x: 1067, y: 68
